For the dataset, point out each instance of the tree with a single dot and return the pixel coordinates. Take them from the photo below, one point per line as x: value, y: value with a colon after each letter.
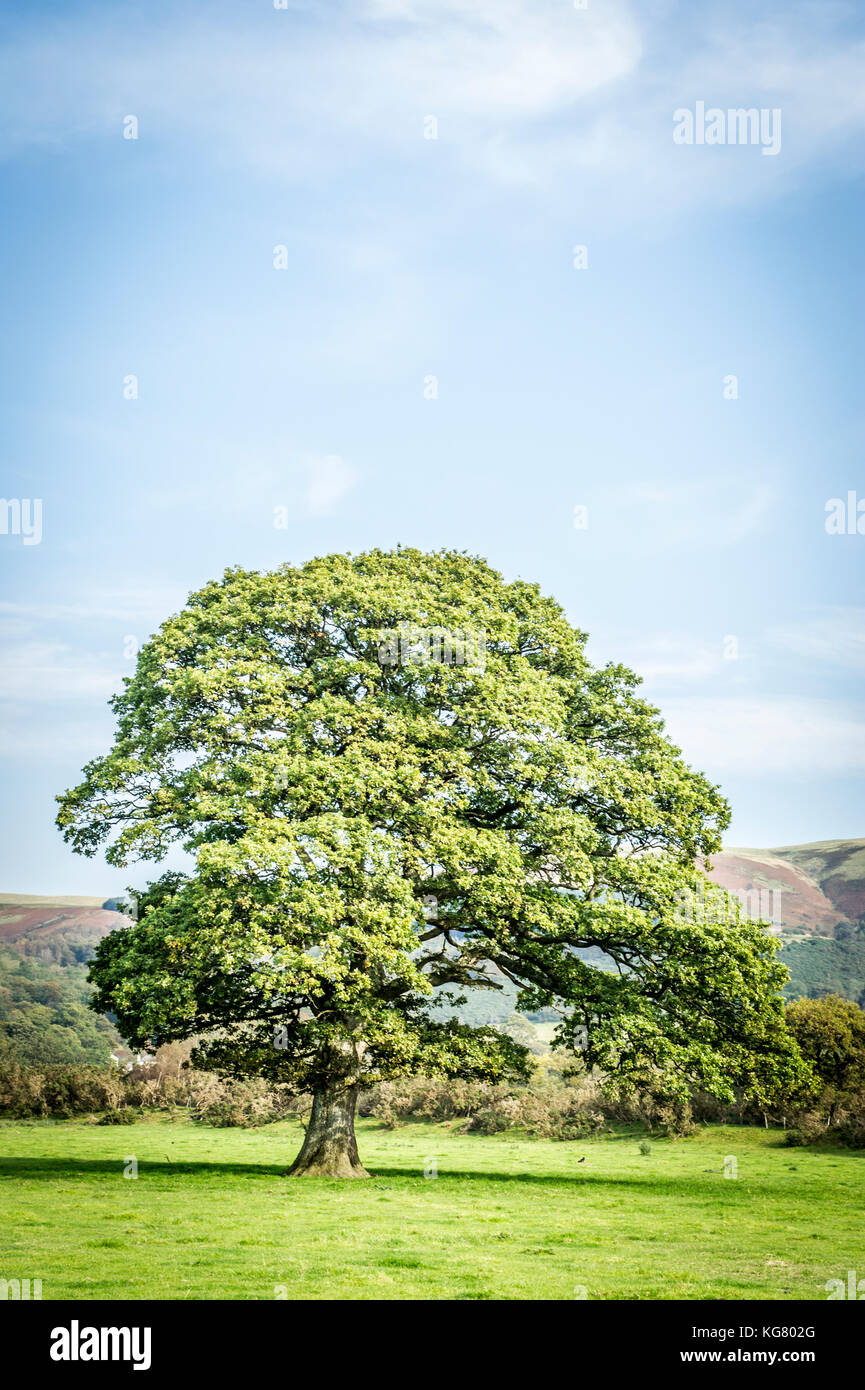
x: 395, y: 774
x: 830, y: 1032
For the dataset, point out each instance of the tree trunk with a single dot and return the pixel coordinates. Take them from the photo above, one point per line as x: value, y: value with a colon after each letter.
x: 330, y: 1148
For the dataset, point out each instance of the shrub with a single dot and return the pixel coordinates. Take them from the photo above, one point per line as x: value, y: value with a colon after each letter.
x: 64, y: 1091
x: 851, y: 1130
x: 548, y: 1109
x: 809, y: 1128
x: 57, y: 1090
x: 231, y: 1104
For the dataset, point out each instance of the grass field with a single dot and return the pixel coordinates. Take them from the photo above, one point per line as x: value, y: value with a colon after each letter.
x: 210, y: 1216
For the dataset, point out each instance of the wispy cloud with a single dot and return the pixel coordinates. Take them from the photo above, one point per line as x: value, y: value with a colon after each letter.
x: 120, y: 603
x: 666, y: 660
x: 53, y: 672
x: 390, y: 61
x: 524, y: 91
x: 833, y: 636
x: 713, y: 512
x: 772, y: 735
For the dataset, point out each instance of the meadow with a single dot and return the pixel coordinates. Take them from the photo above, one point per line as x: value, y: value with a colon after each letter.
x: 210, y: 1216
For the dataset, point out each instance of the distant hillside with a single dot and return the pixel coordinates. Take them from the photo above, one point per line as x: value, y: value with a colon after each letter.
x: 839, y: 868
x: 60, y: 929
x: 815, y: 895
x: 44, y: 1014
x: 45, y: 943
x: 815, y: 887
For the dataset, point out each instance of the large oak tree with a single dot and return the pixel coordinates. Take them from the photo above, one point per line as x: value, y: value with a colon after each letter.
x: 368, y: 819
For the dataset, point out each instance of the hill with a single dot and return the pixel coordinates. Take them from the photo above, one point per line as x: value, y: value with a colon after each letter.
x: 806, y: 889
x: 44, y: 1014
x: 60, y: 929
x: 800, y: 888
x: 814, y: 895
x: 45, y: 944
x: 838, y: 866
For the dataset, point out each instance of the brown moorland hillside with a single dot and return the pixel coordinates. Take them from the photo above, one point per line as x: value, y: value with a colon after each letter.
x: 816, y: 886
x: 41, y: 926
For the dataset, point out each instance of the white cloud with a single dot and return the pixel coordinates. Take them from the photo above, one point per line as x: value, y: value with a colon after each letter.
x: 500, y: 59
x: 47, y: 671
x: 375, y: 69
x: 675, y: 659
x: 663, y: 659
x: 772, y: 735
x: 532, y: 91
x: 119, y: 603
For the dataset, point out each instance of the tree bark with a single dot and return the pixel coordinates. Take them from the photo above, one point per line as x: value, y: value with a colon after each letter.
x: 329, y: 1148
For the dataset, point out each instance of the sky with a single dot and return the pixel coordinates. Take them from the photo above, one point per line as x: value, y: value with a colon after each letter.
x: 443, y: 273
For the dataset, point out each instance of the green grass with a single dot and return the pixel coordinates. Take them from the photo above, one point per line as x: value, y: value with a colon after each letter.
x: 210, y: 1216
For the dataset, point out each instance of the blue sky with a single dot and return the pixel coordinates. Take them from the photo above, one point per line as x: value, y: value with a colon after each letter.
x: 409, y: 258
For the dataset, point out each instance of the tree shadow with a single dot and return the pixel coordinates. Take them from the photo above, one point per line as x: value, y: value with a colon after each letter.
x: 41, y: 1167
x: 71, y: 1167
x: 579, y: 1178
